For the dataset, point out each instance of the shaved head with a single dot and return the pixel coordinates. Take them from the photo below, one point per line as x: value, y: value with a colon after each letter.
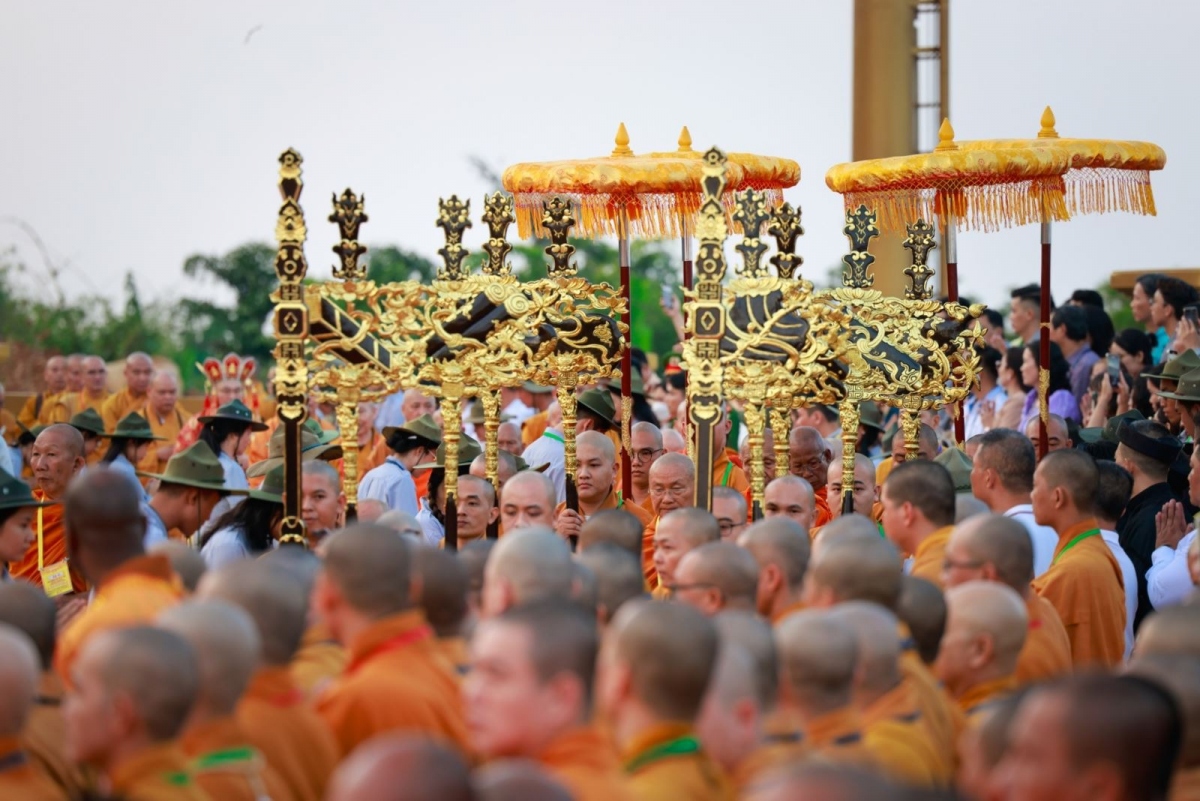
x: 518, y: 780
x: 401, y: 523
x: 57, y: 458
x: 270, y: 594
x: 615, y: 527
x: 996, y: 541
x: 854, y: 564
x: 372, y: 569
x: 922, y: 607
x: 983, y: 618
x: 845, y: 527
x: 369, y: 510
x: 104, y: 522
x: 817, y: 658
x: 1073, y: 471
x: 878, y: 647
x: 697, y: 526
x: 444, y: 583
x: 563, y: 639
x: 779, y: 541
x: 673, y: 442
x: 595, y: 441
x: 185, y: 560
x: 227, y: 650
x: 753, y: 636
x: 526, y: 564
x: 323, y: 469
x: 27, y: 608
x: 401, y: 767
x: 618, y: 575
x: 723, y: 567
x: 19, y: 676
x: 301, y: 563
x: 1172, y: 631
x: 828, y: 781
x: 669, y: 650
x: 1180, y: 675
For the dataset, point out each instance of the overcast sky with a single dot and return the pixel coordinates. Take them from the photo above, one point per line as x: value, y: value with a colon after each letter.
x: 137, y: 133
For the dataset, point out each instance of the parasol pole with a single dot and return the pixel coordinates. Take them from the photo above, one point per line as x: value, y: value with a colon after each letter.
x: 1043, y: 387
x: 951, y: 236
x: 626, y: 357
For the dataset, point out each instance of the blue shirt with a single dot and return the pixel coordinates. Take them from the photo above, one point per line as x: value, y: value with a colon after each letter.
x: 124, y: 466
x: 392, y: 485
x: 156, y: 530
x: 1081, y: 362
x: 224, y: 546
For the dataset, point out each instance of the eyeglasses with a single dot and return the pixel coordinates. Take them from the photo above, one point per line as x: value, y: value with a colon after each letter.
x: 645, y: 454
x: 950, y: 564
x: 675, y: 491
x: 726, y: 525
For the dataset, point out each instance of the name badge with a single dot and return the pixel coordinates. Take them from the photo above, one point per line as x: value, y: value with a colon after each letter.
x: 56, y: 579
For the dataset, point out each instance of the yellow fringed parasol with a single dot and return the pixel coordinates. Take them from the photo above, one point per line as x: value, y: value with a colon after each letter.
x: 651, y: 196
x: 1104, y: 175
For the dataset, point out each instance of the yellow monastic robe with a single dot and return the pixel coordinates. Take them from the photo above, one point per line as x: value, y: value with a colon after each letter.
x: 168, y: 428
x: 118, y: 405
x: 931, y: 553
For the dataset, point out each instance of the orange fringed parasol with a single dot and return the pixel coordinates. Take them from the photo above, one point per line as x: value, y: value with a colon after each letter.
x: 652, y: 196
x: 1104, y: 175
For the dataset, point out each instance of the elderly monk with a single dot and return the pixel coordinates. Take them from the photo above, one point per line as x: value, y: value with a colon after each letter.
x: 19, y: 778
x: 506, y: 468
x: 322, y: 502
x: 654, y: 668
x: 401, y: 767
x: 53, y: 405
x: 791, y: 497
x: 530, y: 564
x: 922, y: 607
x: 1063, y: 744
x: 646, y: 440
x: 132, y: 690
x: 677, y: 533
x: 396, y: 677
x: 865, y: 491
x: 808, y: 458
x: 1084, y: 581
x: 444, y: 582
x: 165, y: 418
x: 672, y: 487
x: 782, y: 550
x: 618, y: 575
x: 372, y: 447
x: 272, y: 712
x: 918, y: 515
x: 732, y: 512
x: 717, y: 576
x: 769, y: 467
x: 542, y: 656
x: 998, y: 548
x: 27, y: 609
x: 595, y: 472
x: 139, y: 369
x: 900, y: 736
x: 74, y: 372
x: 985, y: 631
x: 95, y: 385
x: 615, y: 527
x: 223, y: 763
x: 57, y: 458
x: 528, y: 499
x: 105, y: 531
x: 320, y: 658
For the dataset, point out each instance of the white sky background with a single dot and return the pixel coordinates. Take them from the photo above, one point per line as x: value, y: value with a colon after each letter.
x: 136, y: 133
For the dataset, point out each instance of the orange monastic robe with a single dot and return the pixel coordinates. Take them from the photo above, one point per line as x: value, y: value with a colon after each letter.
x: 87, y: 400
x: 822, y: 514
x: 614, y: 501
x: 1084, y: 584
x: 44, y: 737
x: 648, y: 569
x: 133, y: 594
x: 585, y: 761
x: 1047, y: 651
x: 767, y: 757
x: 20, y: 778
x: 373, y: 454
x: 688, y: 773
x: 533, y: 428
x: 8, y: 422
x: 902, y: 740
x: 49, y: 521
x: 224, y: 765
x: 1185, y: 786
x: 931, y: 553
x: 726, y: 473
x: 118, y: 405
x: 168, y: 428
x: 55, y: 407
x: 396, y: 680
x: 318, y: 662
x: 837, y: 737
x: 289, y: 734
x: 941, y: 716
x: 157, y: 773
x: 260, y: 442
x: 982, y: 696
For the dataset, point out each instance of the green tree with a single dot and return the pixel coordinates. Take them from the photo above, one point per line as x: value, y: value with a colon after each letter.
x: 212, y: 329
x: 387, y: 264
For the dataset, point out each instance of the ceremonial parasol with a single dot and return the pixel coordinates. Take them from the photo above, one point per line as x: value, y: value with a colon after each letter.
x: 1103, y: 175
x: 983, y: 189
x: 652, y: 196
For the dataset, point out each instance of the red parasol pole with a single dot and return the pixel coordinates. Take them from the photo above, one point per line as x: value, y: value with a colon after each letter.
x: 1043, y: 387
x: 952, y: 294
x: 626, y: 360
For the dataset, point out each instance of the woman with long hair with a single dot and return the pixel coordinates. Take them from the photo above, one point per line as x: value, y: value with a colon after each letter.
x: 18, y: 509
x: 1061, y: 399
x: 128, y: 444
x: 227, y: 432
x: 1009, y: 378
x: 249, y: 528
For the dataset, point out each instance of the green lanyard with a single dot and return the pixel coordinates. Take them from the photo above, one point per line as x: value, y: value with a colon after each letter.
x: 1089, y: 533
x: 679, y: 747
x: 220, y: 759
x: 553, y: 436
x: 728, y: 473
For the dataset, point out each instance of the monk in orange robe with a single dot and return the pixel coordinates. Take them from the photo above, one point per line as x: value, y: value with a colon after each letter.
x: 918, y: 515
x: 782, y: 549
x: 395, y: 678
x: 985, y: 632
x: 273, y: 712
x: 534, y: 639
x: 58, y: 453
x: 54, y: 405
x: 661, y: 656
x: 997, y: 548
x: 19, y: 777
x: 672, y: 487
x: 595, y: 477
x: 95, y: 390
x: 166, y: 421
x: 139, y: 369
x: 808, y: 457
x: 154, y: 675
x: 104, y: 533
x: 533, y: 428
x: 1084, y: 582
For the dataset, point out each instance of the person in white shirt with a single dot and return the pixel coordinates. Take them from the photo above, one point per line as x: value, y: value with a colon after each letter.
x: 512, y: 405
x: 988, y: 393
x: 1112, y: 495
x: 1002, y: 477
x: 392, y: 482
x: 1169, y: 579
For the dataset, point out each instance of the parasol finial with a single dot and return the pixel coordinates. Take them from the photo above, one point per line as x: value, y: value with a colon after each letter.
x: 622, y: 148
x: 685, y: 141
x: 946, y: 136
x: 1048, y: 131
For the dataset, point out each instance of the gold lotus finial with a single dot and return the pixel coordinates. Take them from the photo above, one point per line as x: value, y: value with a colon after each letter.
x: 1048, y: 131
x: 946, y: 136
x: 622, y: 148
x: 685, y: 140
